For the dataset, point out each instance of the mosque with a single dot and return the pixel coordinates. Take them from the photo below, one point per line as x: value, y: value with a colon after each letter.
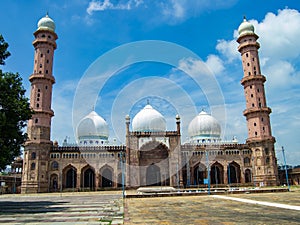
x: 152, y: 155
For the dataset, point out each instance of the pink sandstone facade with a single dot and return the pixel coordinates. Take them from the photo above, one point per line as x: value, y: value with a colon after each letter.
x: 149, y: 157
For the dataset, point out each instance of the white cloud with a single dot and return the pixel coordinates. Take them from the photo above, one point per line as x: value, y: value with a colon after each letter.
x: 215, y: 64
x: 107, y: 5
x: 173, y: 9
x: 279, y: 56
x: 228, y: 49
x: 62, y: 104
x: 166, y: 11
x: 212, y: 66
x: 280, y: 74
x: 280, y: 46
x: 279, y: 34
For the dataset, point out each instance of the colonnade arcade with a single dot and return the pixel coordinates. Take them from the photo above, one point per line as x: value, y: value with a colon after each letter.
x: 86, y: 178
x: 219, y: 174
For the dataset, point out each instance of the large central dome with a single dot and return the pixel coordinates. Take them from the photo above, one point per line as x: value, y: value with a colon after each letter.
x: 204, y: 128
x: 149, y: 120
x: 92, y: 130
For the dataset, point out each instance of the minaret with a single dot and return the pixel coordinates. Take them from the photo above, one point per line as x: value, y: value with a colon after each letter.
x: 260, y: 138
x: 37, y: 147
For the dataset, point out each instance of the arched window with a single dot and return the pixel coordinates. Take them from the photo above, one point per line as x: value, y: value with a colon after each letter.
x: 247, y: 161
x: 32, y: 167
x: 268, y: 160
x: 267, y: 151
x: 33, y: 155
x: 54, y: 165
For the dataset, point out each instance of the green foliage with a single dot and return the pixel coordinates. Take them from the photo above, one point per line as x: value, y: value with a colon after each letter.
x: 3, y: 50
x: 14, y: 112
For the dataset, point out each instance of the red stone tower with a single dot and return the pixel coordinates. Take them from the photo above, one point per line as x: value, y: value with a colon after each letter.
x: 37, y: 147
x: 257, y: 112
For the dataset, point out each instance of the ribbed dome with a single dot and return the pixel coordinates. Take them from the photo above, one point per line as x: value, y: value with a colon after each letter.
x: 148, y: 120
x: 245, y: 28
x: 46, y: 23
x: 204, y: 128
x: 92, y: 127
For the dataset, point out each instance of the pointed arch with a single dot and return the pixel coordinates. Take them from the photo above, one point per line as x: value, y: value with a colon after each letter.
x: 69, y: 176
x: 153, y: 152
x: 216, y: 173
x: 153, y: 175
x: 153, y: 145
x: 234, y: 173
x: 106, y: 176
x: 248, y: 176
x: 199, y: 173
x: 88, y: 177
x: 53, y: 182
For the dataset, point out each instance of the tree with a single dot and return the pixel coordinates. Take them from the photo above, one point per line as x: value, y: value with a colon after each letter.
x: 14, y: 112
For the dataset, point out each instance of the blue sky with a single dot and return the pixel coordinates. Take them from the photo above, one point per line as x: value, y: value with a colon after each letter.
x: 88, y: 29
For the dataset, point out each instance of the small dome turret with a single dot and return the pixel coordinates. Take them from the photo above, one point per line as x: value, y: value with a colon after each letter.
x: 149, y: 120
x: 245, y: 28
x: 46, y: 23
x: 204, y: 128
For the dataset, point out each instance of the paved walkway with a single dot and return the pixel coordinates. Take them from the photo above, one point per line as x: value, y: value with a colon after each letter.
x: 106, y: 208
x: 206, y: 210
x: 272, y: 204
x: 77, y: 208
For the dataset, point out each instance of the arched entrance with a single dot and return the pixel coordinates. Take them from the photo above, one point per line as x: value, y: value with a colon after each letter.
x: 154, y: 164
x: 53, y: 182
x: 199, y: 174
x: 234, y: 173
x: 153, y: 177
x: 71, y: 178
x: 88, y: 179
x: 247, y: 176
x: 120, y: 180
x: 107, y: 177
x: 216, y: 174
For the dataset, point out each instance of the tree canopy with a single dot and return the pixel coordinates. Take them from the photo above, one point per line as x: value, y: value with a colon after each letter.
x: 14, y: 111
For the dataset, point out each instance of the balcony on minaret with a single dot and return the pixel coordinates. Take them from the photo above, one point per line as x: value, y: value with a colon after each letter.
x: 248, y: 78
x: 254, y: 110
x: 261, y: 138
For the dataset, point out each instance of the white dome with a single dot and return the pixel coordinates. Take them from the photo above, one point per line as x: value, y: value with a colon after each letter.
x: 245, y: 28
x: 46, y: 23
x: 204, y: 128
x: 149, y: 120
x: 92, y: 129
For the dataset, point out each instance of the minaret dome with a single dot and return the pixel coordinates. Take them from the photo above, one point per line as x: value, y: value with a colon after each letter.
x: 46, y: 23
x: 245, y: 28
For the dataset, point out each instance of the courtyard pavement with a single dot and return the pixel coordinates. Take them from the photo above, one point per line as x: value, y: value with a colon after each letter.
x: 216, y: 209
x: 107, y: 208
x: 65, y: 208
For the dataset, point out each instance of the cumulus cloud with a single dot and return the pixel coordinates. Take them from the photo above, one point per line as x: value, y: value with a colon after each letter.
x: 215, y: 64
x: 175, y: 11
x: 278, y: 36
x: 228, y: 49
x: 280, y: 74
x: 167, y: 11
x: 212, y: 66
x: 279, y: 54
x: 62, y: 103
x: 108, y: 5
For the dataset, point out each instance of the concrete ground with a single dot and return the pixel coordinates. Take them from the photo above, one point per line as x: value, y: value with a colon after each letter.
x: 66, y: 208
x: 107, y: 208
x: 211, y: 210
